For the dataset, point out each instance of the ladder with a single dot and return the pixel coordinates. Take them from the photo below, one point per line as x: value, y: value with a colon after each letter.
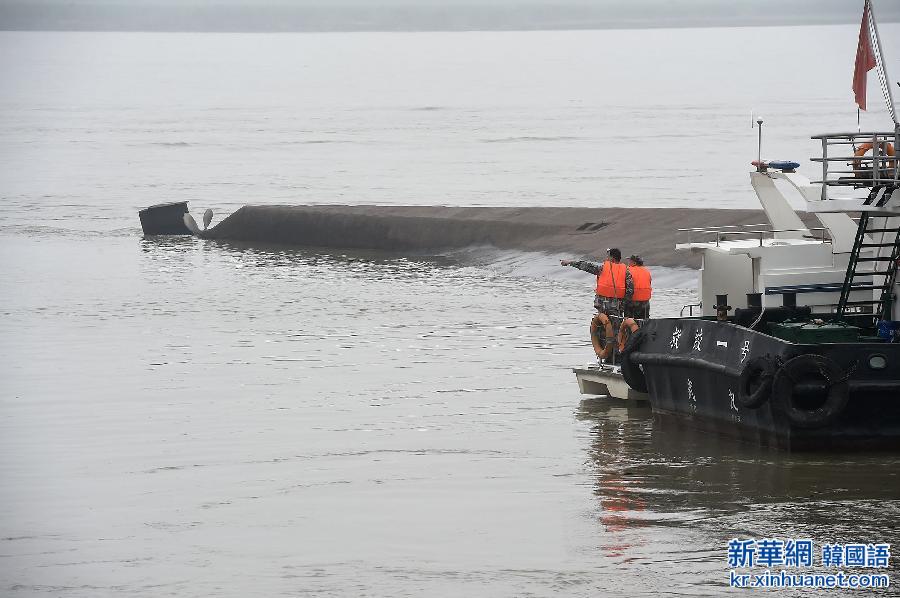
x: 882, y: 265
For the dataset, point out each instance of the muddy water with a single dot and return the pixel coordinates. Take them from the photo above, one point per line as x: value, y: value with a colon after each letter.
x: 189, y: 418
x: 193, y: 418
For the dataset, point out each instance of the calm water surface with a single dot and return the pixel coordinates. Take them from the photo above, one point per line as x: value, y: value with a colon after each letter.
x: 191, y: 418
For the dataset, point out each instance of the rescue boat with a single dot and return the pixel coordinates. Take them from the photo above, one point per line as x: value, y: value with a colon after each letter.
x: 797, y: 340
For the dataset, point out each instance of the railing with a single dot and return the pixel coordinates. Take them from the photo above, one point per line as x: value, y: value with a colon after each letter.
x: 759, y: 232
x: 863, y: 160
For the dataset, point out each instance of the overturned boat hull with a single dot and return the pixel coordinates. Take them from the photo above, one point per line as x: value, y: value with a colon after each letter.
x: 165, y: 219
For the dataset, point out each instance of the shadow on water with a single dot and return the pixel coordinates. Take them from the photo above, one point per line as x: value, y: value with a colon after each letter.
x: 653, y: 470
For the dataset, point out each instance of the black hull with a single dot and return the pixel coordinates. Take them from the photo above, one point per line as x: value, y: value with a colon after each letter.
x: 165, y: 219
x: 692, y: 369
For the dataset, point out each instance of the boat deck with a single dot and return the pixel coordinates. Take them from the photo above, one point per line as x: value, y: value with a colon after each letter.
x: 606, y: 380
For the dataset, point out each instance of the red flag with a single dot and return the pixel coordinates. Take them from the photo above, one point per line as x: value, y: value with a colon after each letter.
x: 865, y: 60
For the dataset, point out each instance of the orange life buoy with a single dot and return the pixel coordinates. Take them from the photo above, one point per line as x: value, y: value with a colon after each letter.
x: 887, y: 149
x: 602, y: 349
x: 629, y: 326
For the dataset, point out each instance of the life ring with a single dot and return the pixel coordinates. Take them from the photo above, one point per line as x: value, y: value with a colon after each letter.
x: 802, y: 412
x: 887, y: 148
x: 631, y: 371
x: 629, y: 326
x: 602, y: 345
x: 755, y: 382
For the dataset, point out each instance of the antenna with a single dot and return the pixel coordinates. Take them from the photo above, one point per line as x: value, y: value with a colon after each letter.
x: 759, y: 124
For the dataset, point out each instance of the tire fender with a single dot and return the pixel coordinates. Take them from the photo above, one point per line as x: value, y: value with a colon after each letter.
x: 804, y: 367
x: 755, y: 382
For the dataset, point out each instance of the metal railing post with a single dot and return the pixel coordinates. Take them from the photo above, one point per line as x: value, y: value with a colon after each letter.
x: 875, y: 148
x: 896, y: 148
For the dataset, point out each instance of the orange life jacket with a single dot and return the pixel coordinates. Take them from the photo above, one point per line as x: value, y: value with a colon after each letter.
x: 641, y: 278
x: 611, y: 280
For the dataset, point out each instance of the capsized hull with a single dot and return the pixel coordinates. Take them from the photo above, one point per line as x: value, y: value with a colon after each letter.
x: 165, y: 219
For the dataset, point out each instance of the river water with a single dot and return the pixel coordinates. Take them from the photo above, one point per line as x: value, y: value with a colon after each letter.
x: 194, y: 418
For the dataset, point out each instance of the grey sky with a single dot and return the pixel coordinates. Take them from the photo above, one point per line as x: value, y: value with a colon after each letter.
x: 405, y: 15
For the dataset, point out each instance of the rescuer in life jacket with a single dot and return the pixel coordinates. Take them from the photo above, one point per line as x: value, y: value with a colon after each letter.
x: 614, y: 283
x: 639, y: 305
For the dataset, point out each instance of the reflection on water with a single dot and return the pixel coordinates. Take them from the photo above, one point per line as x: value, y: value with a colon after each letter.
x: 621, y: 502
x: 269, y: 420
x: 666, y: 489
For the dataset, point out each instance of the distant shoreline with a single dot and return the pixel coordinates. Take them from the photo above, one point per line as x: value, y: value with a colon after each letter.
x: 576, y: 232
x: 419, y: 16
x: 535, y: 29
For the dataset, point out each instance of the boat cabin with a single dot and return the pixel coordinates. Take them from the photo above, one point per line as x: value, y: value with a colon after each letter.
x: 844, y: 265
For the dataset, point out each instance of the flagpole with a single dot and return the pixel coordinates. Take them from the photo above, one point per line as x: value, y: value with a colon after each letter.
x: 887, y: 80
